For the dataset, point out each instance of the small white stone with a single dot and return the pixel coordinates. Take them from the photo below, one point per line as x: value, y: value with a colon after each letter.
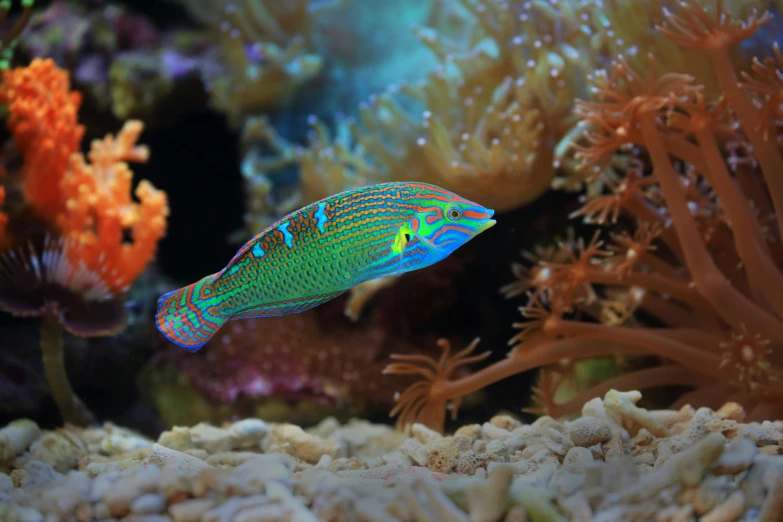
x: 184, y: 464
x: 148, y: 503
x: 16, y: 437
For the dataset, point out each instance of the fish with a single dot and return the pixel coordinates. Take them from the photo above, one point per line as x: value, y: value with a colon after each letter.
x: 320, y: 251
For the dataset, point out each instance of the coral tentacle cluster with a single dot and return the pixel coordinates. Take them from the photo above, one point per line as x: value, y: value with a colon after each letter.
x: 495, y: 119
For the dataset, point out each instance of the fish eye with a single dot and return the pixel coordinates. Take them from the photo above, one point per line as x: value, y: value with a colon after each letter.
x: 454, y: 213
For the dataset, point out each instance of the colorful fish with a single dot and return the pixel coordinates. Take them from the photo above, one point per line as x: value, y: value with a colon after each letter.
x: 322, y: 250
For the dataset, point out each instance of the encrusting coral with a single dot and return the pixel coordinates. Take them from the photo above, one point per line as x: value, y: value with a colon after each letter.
x: 699, y: 258
x: 79, y: 240
x: 257, y: 366
x: 616, y: 462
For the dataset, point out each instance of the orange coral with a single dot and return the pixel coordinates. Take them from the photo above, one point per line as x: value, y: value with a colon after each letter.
x: 102, y: 230
x: 704, y: 260
x: 43, y: 114
x: 99, y: 211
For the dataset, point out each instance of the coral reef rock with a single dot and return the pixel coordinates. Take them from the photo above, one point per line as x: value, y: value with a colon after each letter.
x: 615, y: 462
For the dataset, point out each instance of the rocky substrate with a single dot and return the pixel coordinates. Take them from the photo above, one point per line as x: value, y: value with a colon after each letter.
x: 617, y: 462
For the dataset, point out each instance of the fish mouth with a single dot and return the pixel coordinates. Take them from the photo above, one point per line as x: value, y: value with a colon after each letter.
x: 488, y: 223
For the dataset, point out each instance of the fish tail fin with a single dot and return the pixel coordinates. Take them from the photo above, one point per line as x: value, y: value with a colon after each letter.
x: 184, y: 316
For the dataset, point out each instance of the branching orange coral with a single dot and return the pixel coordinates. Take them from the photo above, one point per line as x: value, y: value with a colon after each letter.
x: 113, y: 236
x: 703, y: 259
x: 89, y: 205
x: 43, y: 118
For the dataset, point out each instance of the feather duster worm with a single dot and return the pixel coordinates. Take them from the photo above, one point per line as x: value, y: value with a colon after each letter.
x: 702, y: 260
x: 95, y: 239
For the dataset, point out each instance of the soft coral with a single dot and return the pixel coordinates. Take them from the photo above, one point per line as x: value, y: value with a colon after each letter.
x: 703, y: 260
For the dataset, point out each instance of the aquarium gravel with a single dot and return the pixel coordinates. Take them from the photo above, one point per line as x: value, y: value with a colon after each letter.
x: 615, y: 462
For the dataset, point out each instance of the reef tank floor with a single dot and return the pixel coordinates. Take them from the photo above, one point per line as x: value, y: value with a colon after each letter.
x: 615, y: 462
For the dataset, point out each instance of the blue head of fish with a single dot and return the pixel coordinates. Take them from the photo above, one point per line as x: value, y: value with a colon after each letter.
x: 442, y: 222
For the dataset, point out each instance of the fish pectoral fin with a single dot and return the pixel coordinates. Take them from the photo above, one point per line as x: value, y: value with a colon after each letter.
x: 403, y: 237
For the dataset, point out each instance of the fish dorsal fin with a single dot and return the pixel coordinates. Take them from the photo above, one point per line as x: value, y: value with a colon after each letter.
x: 247, y: 247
